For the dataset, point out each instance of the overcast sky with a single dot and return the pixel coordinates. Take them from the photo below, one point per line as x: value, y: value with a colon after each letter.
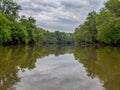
x: 63, y: 15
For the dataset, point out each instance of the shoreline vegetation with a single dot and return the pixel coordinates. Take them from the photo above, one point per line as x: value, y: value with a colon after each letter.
x: 101, y: 28
x: 98, y: 29
x: 15, y: 29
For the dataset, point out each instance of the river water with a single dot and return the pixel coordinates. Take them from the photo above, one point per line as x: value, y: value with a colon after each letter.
x: 59, y: 68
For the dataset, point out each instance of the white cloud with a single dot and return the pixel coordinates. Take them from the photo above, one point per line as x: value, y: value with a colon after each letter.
x: 64, y: 15
x: 57, y: 73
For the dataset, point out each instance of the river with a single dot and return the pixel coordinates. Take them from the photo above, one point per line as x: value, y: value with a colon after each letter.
x: 59, y: 68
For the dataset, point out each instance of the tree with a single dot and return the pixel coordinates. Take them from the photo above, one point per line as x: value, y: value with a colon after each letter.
x: 29, y: 23
x: 19, y: 33
x: 113, y: 6
x: 5, y: 34
x: 10, y: 9
x: 108, y: 26
x: 87, y: 32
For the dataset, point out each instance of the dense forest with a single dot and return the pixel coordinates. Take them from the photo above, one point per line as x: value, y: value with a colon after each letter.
x: 16, y: 29
x: 102, y: 27
x: 99, y: 27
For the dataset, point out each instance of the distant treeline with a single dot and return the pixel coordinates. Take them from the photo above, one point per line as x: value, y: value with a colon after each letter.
x: 102, y: 27
x: 15, y: 29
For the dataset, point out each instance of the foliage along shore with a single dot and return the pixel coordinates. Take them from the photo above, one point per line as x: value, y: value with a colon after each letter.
x: 21, y: 30
x: 101, y: 28
x: 98, y: 29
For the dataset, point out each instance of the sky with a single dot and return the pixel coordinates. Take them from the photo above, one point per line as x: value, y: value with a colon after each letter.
x: 62, y: 15
x: 63, y: 71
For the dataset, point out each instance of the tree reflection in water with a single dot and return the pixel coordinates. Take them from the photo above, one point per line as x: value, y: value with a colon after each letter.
x: 103, y: 62
x: 16, y: 58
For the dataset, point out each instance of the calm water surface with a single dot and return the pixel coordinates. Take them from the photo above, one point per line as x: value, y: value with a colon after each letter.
x: 59, y: 68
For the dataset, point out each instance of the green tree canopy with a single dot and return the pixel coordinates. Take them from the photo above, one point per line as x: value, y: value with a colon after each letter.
x: 10, y: 9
